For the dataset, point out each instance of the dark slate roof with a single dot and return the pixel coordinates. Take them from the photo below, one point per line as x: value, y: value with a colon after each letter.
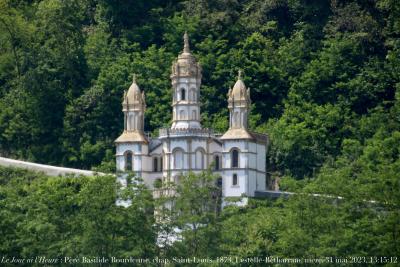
x: 154, y: 143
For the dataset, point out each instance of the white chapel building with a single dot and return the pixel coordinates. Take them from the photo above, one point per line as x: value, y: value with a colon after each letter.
x: 238, y: 156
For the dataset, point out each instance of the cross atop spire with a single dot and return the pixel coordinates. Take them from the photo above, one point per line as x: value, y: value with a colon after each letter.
x: 239, y: 74
x: 186, y: 43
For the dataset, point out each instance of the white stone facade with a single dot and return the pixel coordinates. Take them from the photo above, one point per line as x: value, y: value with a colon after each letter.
x: 238, y: 157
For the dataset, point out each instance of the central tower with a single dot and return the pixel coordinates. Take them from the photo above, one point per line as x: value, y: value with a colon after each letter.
x: 186, y: 81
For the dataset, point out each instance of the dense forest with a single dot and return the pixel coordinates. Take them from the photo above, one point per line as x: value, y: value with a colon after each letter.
x: 72, y: 219
x: 325, y: 83
x: 323, y: 74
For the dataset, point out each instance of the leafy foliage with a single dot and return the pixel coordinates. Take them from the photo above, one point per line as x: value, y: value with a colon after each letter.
x: 73, y: 216
x: 64, y: 75
x: 325, y: 83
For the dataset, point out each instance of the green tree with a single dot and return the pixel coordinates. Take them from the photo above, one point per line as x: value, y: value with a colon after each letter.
x: 306, y: 135
x: 111, y: 230
x: 73, y: 216
x: 192, y: 213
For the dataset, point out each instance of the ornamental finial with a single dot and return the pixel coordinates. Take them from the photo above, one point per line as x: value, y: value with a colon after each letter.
x: 186, y: 43
x: 134, y: 77
x: 239, y: 74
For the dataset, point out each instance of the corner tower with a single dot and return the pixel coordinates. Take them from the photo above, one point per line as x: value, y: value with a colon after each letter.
x: 243, y: 151
x: 134, y: 106
x: 186, y: 81
x: 239, y: 106
x: 132, y: 144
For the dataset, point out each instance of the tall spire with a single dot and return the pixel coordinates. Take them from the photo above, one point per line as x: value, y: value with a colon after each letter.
x: 133, y: 107
x: 186, y: 48
x: 186, y: 80
x: 239, y: 108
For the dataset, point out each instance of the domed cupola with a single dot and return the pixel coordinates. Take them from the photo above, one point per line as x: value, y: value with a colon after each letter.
x: 186, y: 65
x: 133, y: 106
x: 239, y: 108
x: 133, y: 99
x: 239, y: 95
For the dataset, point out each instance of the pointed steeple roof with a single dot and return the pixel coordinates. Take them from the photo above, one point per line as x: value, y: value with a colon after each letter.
x: 134, y: 101
x: 134, y: 96
x: 186, y: 47
x: 186, y: 64
x: 239, y: 89
x: 239, y: 94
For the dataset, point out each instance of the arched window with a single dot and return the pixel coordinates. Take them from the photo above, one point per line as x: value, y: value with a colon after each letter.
x: 161, y: 164
x: 235, y: 158
x: 182, y: 115
x: 193, y: 94
x: 128, y: 161
x: 219, y: 182
x: 216, y: 160
x: 136, y: 121
x: 183, y: 94
x: 178, y: 159
x: 236, y: 119
x: 194, y: 115
x: 199, y: 159
x: 234, y: 179
x: 155, y: 163
x: 130, y: 122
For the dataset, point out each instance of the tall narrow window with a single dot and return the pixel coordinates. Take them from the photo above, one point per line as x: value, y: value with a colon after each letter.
x: 193, y: 94
x: 136, y: 121
x: 131, y: 122
x: 216, y: 159
x: 234, y: 179
x: 178, y: 159
x: 199, y: 160
x: 235, y: 158
x: 219, y: 182
x: 236, y: 119
x: 182, y: 115
x: 155, y: 163
x: 128, y: 161
x: 161, y: 164
x: 183, y: 94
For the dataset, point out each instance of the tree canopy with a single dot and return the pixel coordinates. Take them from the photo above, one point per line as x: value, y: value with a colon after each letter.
x: 315, y: 69
x: 325, y: 83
